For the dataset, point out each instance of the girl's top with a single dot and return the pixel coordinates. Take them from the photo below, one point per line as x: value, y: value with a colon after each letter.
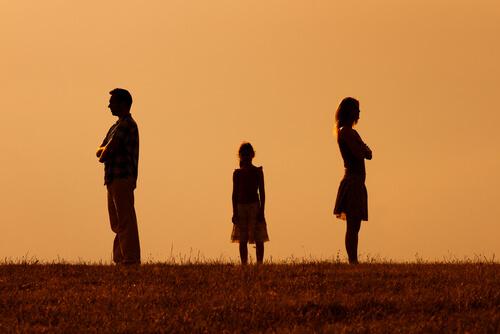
x: 354, y: 152
x: 246, y: 181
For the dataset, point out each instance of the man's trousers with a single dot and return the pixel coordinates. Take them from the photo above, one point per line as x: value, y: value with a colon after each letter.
x: 126, y: 248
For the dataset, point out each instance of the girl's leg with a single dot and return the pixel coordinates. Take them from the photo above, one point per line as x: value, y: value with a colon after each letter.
x: 259, y: 247
x: 243, y: 252
x: 351, y: 239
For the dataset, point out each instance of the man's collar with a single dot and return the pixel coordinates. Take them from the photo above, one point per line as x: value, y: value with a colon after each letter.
x: 124, y: 116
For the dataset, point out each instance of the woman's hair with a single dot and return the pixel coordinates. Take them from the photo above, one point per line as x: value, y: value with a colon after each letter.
x: 246, y: 151
x: 347, y: 113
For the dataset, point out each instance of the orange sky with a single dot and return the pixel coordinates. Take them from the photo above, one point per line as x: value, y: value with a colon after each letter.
x: 206, y: 75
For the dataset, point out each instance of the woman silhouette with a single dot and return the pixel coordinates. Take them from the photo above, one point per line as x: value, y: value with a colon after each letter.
x: 249, y: 199
x: 352, y: 198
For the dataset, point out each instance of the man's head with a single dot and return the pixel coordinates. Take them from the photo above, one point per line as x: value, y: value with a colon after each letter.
x: 120, y: 102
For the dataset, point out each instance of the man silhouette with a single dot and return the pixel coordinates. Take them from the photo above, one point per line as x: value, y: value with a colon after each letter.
x: 119, y: 152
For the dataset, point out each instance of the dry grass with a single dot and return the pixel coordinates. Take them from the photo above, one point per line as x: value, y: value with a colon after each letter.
x: 297, y: 298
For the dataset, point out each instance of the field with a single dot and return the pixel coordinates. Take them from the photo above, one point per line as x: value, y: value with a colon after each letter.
x: 271, y: 298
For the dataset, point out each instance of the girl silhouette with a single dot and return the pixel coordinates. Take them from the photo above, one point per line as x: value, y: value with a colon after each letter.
x: 249, y: 198
x: 352, y: 198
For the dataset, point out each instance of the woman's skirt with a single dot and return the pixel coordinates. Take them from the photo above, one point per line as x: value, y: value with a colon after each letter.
x: 352, y: 199
x: 248, y: 228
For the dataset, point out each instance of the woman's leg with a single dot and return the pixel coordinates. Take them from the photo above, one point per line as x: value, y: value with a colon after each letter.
x: 351, y: 239
x: 243, y: 252
x: 259, y: 248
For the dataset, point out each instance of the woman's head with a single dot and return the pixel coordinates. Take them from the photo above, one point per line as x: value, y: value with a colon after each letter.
x: 246, y: 153
x: 347, y: 113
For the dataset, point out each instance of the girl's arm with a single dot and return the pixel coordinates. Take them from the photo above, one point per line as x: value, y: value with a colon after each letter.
x: 262, y: 195
x: 355, y: 144
x: 235, y: 197
x: 368, y: 155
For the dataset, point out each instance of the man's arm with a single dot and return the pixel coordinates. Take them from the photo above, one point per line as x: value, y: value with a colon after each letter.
x: 99, y: 152
x: 116, y: 138
x: 102, y: 146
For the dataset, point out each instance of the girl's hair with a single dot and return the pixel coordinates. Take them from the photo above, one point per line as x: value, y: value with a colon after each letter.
x: 347, y: 113
x: 246, y: 154
x: 246, y: 150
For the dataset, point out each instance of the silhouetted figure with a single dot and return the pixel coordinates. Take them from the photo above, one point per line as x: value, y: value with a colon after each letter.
x: 120, y: 154
x: 352, y: 198
x: 249, y: 198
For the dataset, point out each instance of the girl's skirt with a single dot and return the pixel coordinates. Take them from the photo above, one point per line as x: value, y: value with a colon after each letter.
x: 352, y: 199
x: 248, y: 228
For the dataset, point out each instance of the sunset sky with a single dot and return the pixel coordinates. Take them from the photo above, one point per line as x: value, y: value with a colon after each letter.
x: 207, y: 75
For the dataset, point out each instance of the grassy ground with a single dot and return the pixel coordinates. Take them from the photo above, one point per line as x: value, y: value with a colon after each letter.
x: 224, y: 298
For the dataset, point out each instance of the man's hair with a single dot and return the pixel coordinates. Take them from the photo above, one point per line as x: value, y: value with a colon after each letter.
x: 122, y: 95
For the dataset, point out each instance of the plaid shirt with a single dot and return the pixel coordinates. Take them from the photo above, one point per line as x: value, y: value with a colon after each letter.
x: 122, y: 146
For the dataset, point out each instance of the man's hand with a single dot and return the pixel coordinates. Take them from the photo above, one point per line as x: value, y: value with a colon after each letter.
x: 99, y: 151
x: 102, y: 153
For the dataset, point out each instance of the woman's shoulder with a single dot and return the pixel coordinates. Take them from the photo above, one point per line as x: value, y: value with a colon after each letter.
x: 250, y: 169
x: 257, y: 169
x: 260, y: 172
x: 346, y: 130
x: 348, y: 133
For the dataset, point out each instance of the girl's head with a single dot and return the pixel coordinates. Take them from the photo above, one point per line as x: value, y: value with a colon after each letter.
x: 347, y: 113
x: 246, y: 153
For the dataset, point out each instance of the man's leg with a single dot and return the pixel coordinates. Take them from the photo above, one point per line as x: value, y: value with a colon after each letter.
x: 128, y: 235
x: 113, y: 219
